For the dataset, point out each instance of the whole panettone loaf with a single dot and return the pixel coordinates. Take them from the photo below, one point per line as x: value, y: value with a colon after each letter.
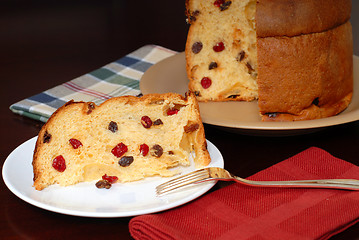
x: 128, y: 137
x: 294, y: 56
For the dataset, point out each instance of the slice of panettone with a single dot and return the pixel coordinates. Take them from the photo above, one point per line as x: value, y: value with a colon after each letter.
x: 128, y: 137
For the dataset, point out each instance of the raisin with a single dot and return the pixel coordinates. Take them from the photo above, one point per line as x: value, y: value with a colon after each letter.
x: 144, y: 149
x: 47, y: 137
x: 119, y: 150
x: 240, y: 56
x: 125, y: 161
x: 172, y: 111
x: 212, y: 65
x: 316, y: 101
x: 158, y: 122
x: 171, y: 153
x: 206, y: 82
x: 191, y: 127
x: 90, y: 106
x: 225, y: 5
x: 103, y: 184
x: 110, y: 179
x: 219, y: 47
x: 146, y: 121
x: 59, y: 163
x: 193, y: 17
x: 197, y: 47
x: 157, y: 151
x: 112, y: 126
x: 250, y: 68
x: 75, y: 143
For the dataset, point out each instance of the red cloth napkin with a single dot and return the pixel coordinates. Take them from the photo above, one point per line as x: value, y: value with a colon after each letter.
x: 243, y: 212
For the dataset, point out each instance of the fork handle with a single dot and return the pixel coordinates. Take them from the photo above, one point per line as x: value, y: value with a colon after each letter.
x: 345, y: 184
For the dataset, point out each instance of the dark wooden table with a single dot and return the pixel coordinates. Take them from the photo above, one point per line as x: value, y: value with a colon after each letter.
x: 46, y: 43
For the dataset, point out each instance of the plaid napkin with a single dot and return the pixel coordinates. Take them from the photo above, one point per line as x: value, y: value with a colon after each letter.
x: 114, y: 79
x: 243, y: 212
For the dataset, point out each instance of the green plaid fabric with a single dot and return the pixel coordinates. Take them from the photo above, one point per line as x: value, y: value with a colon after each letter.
x: 118, y: 78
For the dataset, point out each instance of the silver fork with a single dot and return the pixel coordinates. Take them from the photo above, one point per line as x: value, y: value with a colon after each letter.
x: 214, y: 173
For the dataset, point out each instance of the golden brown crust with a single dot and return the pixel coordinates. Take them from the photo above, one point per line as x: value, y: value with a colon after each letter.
x: 296, y: 17
x: 314, y: 69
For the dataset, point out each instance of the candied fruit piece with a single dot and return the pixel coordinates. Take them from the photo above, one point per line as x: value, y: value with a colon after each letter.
x: 206, y: 82
x: 144, y: 149
x: 59, y: 163
x: 146, y: 121
x: 219, y: 47
x: 119, y: 150
x: 172, y: 111
x: 110, y: 179
x: 75, y: 143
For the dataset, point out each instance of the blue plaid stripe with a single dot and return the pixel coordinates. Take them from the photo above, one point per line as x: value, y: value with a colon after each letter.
x: 119, y: 78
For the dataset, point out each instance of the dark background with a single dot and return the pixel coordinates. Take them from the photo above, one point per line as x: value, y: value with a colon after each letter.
x: 46, y: 43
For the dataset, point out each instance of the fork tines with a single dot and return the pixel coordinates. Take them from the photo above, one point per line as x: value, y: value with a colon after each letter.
x: 181, y: 181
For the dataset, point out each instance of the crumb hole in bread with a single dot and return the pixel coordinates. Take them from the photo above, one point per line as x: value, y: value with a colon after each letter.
x: 233, y: 96
x: 157, y: 101
x: 250, y: 11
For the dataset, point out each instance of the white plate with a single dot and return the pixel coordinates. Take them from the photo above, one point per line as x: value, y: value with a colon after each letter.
x: 169, y: 75
x: 84, y: 199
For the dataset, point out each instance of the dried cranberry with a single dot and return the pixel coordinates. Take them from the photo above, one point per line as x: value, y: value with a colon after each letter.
x: 59, y: 163
x: 110, y: 179
x: 75, y: 143
x: 146, y: 121
x: 206, y: 82
x: 197, y: 47
x: 119, y: 150
x: 219, y: 47
x: 125, y: 161
x: 172, y: 111
x: 144, y: 149
x: 218, y: 3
